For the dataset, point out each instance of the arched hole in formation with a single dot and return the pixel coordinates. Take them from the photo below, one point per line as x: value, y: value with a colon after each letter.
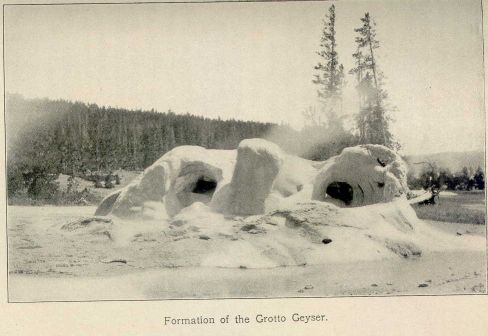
x: 198, y: 188
x: 341, y: 191
x: 204, y: 186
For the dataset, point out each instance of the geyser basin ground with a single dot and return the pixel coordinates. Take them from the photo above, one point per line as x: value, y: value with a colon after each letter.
x: 245, y: 223
x: 45, y: 264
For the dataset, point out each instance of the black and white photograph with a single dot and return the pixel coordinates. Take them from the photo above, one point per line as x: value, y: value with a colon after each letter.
x: 231, y: 150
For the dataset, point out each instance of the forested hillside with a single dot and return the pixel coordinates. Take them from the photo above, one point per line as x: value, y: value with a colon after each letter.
x: 63, y: 136
x: 48, y: 137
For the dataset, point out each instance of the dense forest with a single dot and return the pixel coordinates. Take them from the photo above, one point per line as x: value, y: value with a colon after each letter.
x: 48, y: 137
x: 66, y: 137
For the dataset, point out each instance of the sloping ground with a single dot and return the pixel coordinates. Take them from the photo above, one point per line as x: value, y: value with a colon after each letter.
x: 56, y: 254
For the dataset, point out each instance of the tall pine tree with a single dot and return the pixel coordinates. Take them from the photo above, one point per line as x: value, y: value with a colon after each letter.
x: 330, y: 77
x: 372, y: 120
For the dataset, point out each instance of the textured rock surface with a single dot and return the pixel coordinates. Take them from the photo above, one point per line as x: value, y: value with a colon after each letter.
x: 373, y: 173
x: 258, y: 178
x: 170, y: 182
x: 258, y: 164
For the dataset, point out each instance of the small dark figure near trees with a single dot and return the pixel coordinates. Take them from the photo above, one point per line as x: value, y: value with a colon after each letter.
x: 434, y: 199
x: 109, y: 181
x: 479, y: 179
x: 98, y: 182
x: 71, y: 184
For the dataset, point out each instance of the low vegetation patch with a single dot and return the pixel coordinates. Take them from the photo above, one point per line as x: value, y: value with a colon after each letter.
x: 464, y: 207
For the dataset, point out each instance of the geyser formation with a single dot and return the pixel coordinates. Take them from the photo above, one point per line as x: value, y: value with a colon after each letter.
x: 258, y: 207
x: 258, y: 178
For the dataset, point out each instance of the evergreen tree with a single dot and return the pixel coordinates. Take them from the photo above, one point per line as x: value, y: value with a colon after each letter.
x: 372, y: 121
x: 325, y: 139
x: 330, y: 77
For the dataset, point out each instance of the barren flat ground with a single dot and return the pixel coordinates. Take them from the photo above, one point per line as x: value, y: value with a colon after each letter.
x: 45, y: 265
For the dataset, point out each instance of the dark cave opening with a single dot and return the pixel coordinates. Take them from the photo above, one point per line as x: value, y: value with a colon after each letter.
x: 341, y: 191
x: 204, y: 186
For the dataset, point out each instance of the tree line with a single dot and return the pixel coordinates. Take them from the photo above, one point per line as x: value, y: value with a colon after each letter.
x: 438, y: 177
x: 48, y: 137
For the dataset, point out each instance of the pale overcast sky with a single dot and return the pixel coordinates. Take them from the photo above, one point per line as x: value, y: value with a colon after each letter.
x: 254, y: 61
